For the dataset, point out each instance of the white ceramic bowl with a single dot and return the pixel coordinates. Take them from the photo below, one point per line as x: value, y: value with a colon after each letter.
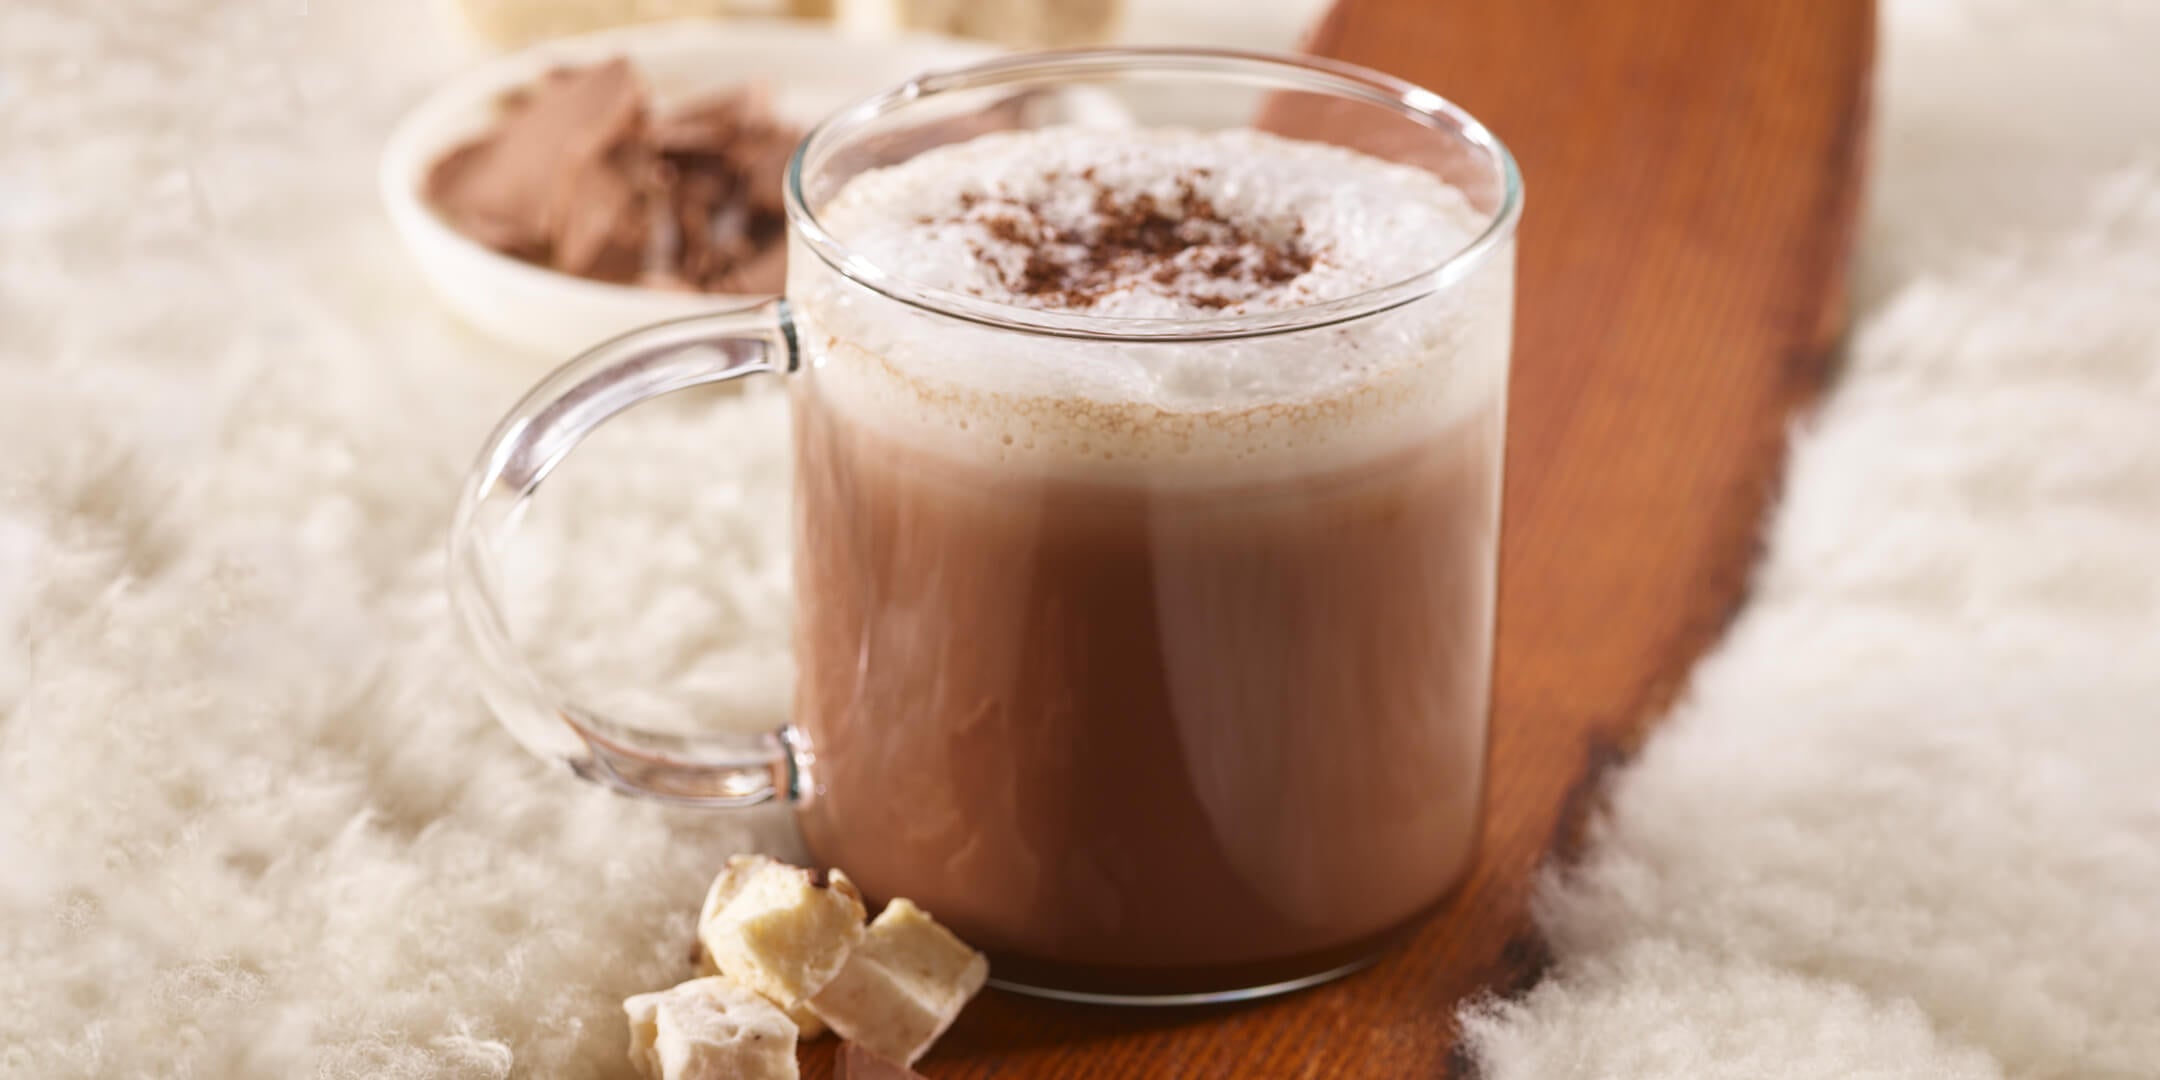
x: 812, y: 68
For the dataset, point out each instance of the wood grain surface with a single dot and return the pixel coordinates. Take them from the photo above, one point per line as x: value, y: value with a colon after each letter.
x: 1693, y: 173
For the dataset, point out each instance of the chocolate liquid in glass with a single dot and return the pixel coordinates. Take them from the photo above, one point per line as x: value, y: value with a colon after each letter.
x: 1194, y: 719
x: 1166, y: 734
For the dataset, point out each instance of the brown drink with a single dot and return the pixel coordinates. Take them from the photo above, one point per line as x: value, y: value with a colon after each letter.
x: 1153, y: 668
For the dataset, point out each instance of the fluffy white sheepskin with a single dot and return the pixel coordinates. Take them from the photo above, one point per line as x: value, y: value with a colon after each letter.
x: 1907, y: 820
x: 253, y: 821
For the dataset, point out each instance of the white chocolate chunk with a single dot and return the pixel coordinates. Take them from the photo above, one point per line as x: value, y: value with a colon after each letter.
x: 709, y: 1029
x: 510, y: 23
x: 903, y: 986
x: 777, y: 929
x: 807, y: 1025
x: 1022, y: 24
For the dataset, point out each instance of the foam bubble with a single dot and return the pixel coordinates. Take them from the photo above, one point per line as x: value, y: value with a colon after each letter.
x: 943, y: 219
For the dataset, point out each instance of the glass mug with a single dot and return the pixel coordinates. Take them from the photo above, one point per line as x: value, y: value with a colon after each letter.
x: 1152, y: 707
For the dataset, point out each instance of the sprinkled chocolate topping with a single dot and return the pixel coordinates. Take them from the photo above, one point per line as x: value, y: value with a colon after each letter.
x: 1182, y: 243
x: 1019, y: 220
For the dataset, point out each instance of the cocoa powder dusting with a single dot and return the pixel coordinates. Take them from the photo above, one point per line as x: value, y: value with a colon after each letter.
x: 1183, y: 244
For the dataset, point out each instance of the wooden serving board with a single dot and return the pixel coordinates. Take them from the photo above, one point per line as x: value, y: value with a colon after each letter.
x: 1693, y: 169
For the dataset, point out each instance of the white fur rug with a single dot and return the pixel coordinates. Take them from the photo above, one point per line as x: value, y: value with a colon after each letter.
x: 253, y: 821
x: 1906, y: 823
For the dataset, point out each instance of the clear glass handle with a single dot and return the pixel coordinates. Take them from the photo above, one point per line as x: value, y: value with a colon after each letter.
x: 716, y: 769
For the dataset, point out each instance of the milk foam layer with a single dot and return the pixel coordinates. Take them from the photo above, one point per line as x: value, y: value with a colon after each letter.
x: 961, y: 218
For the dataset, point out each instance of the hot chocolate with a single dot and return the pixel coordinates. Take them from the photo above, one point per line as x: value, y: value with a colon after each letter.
x: 1153, y: 665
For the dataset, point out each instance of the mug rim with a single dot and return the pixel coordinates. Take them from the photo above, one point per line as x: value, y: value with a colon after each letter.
x: 1305, y: 73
